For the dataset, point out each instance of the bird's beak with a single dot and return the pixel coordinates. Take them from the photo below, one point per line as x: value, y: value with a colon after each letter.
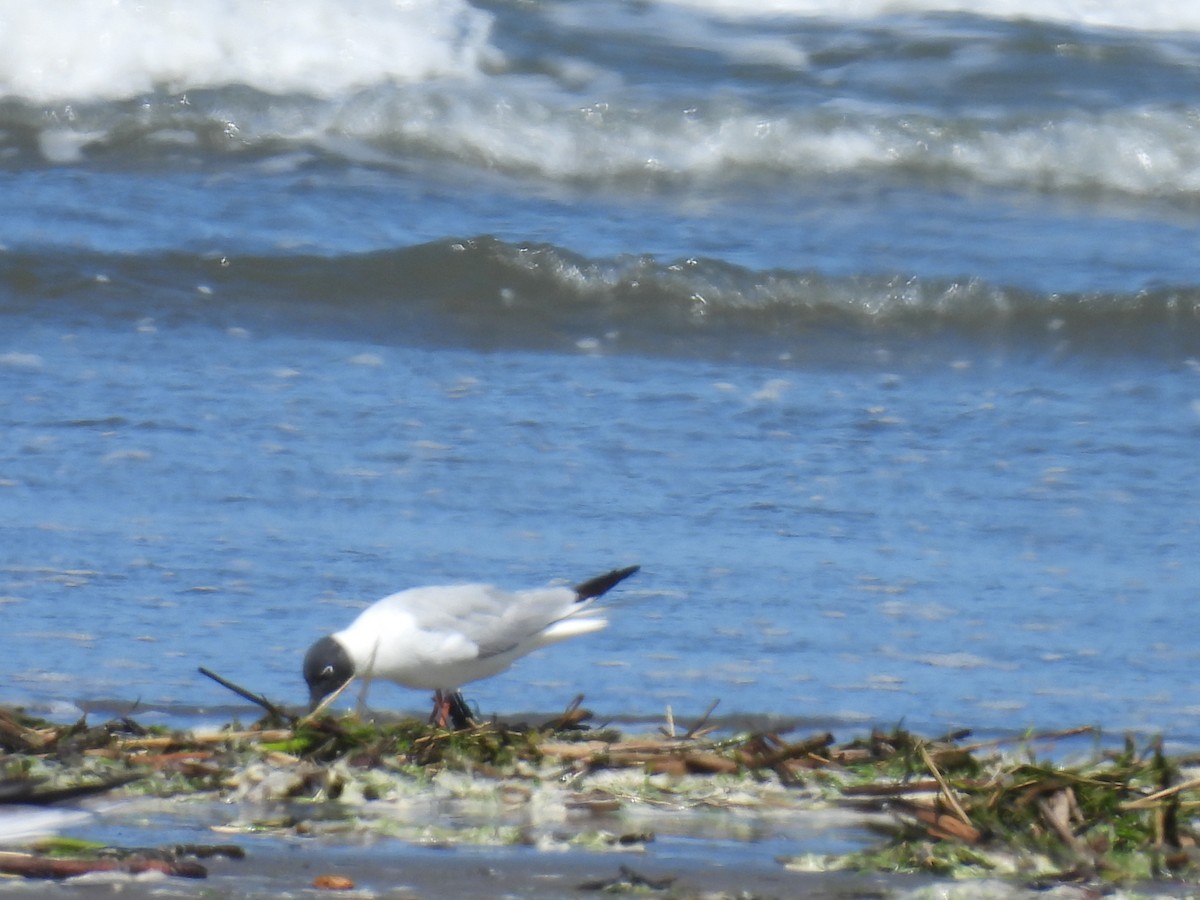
x: 317, y: 696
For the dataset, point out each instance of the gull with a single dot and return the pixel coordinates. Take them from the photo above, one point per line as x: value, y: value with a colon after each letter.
x: 441, y: 637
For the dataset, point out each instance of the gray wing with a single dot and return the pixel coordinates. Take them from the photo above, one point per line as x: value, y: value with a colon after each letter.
x: 494, y: 620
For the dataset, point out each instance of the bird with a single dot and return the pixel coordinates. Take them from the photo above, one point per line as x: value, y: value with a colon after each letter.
x: 443, y: 636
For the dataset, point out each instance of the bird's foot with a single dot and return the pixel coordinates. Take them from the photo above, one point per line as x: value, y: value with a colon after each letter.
x: 450, y: 710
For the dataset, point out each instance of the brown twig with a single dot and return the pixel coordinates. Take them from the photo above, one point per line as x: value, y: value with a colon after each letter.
x: 161, y: 742
x: 939, y: 825
x: 30, y: 865
x: 30, y: 791
x: 1038, y: 737
x: 25, y: 739
x: 573, y: 715
x: 773, y: 758
x: 258, y: 699
x: 947, y: 791
x: 1151, y: 799
x: 1057, y: 810
x: 695, y: 730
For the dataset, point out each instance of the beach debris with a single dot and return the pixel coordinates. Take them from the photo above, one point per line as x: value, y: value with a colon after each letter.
x: 333, y: 883
x: 629, y: 880
x: 1015, y: 806
x: 50, y: 860
x: 33, y: 791
x: 1113, y: 817
x: 274, y: 711
x: 17, y: 737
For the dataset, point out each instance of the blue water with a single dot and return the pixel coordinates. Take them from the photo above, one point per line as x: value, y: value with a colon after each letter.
x: 874, y: 340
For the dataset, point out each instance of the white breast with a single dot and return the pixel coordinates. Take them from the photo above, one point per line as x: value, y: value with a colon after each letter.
x: 439, y: 638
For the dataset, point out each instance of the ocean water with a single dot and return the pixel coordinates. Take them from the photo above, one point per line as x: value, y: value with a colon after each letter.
x: 871, y: 330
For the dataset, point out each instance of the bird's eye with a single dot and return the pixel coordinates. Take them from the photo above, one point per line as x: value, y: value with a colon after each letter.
x: 328, y: 670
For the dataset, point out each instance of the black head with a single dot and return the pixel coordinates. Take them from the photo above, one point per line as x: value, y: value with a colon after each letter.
x: 327, y: 667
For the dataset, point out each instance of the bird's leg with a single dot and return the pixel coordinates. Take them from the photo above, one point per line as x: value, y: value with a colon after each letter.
x: 450, y: 710
x: 441, y: 710
x: 460, y: 713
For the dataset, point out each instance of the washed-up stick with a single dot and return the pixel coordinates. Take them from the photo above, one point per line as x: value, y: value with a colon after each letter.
x: 698, y: 729
x: 891, y: 790
x: 939, y: 825
x: 571, y: 716
x: 947, y: 791
x: 669, y: 728
x: 1151, y: 799
x: 24, y: 738
x: 1056, y: 811
x: 257, y: 699
x: 29, y: 865
x: 790, y: 751
x: 1037, y: 737
x: 29, y: 791
x: 161, y: 742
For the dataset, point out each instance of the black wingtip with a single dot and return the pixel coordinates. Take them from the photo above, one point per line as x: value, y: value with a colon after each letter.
x: 602, y: 584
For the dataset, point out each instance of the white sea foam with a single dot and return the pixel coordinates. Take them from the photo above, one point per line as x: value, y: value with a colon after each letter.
x: 108, y: 49
x: 1153, y: 15
x: 386, y: 80
x: 1136, y: 152
x: 21, y: 823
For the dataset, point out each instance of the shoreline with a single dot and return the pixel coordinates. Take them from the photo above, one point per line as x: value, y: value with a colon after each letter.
x: 563, y: 811
x: 271, y: 870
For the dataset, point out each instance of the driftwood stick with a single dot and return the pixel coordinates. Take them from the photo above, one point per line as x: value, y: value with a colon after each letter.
x: 26, y: 739
x: 30, y: 865
x: 1037, y: 737
x: 1056, y: 812
x: 695, y: 730
x: 942, y: 826
x: 1151, y: 799
x: 947, y: 791
x: 572, y: 715
x: 574, y: 705
x: 162, y: 742
x: 258, y: 699
x: 928, y: 786
x: 790, y: 751
x: 28, y: 791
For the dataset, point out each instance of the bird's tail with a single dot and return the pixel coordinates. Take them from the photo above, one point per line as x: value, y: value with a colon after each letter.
x: 602, y: 584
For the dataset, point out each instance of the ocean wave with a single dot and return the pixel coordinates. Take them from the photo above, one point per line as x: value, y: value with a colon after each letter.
x: 322, y: 48
x: 1139, y: 153
x: 652, y: 98
x: 1149, y: 153
x: 113, y: 51
x: 487, y: 293
x: 1151, y: 16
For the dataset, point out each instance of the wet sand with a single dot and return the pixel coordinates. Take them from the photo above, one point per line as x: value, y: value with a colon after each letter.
x: 398, y: 870
x: 687, y: 855
x: 672, y: 865
x: 629, y: 820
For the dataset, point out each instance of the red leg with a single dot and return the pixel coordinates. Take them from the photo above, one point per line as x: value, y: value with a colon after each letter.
x: 441, y: 710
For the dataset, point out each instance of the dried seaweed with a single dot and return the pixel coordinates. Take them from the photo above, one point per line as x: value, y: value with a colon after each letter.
x: 940, y: 806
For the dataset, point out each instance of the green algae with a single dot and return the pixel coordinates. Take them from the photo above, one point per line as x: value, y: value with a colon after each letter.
x: 941, y: 807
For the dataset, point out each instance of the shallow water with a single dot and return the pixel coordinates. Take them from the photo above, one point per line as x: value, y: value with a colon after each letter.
x: 880, y: 357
